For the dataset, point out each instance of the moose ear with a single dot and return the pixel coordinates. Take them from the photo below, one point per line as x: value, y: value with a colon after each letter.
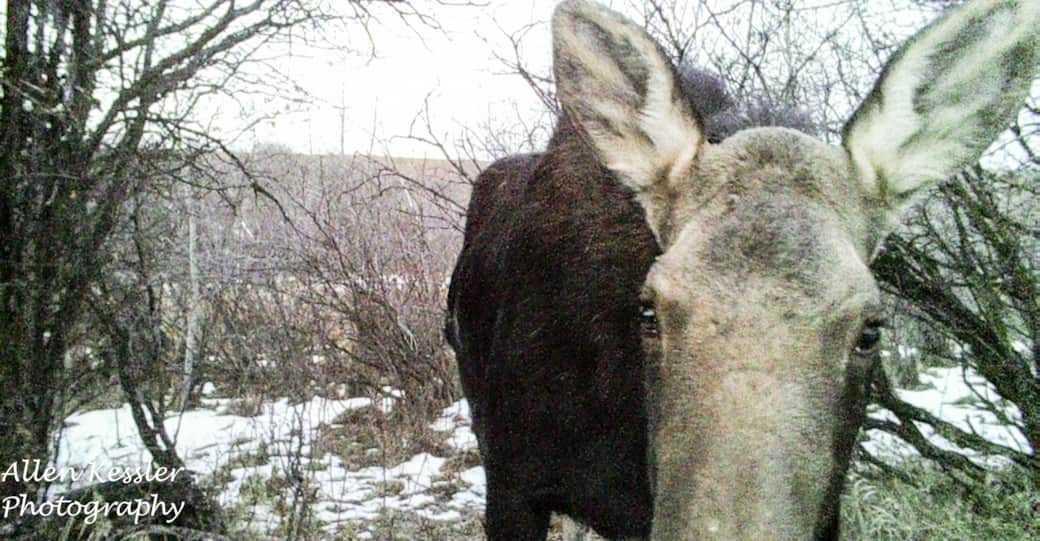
x: 614, y: 82
x: 944, y: 97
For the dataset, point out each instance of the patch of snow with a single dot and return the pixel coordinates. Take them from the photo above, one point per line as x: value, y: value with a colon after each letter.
x: 205, y: 439
x: 390, y: 391
x: 952, y: 394
x: 475, y: 478
x: 906, y: 352
x: 211, y: 442
x: 456, y: 420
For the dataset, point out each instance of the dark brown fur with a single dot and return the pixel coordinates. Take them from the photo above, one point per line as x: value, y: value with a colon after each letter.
x: 550, y: 358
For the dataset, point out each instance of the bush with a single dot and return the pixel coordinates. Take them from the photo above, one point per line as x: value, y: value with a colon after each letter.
x: 930, y: 504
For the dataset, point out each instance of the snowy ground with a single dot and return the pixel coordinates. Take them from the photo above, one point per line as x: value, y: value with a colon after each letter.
x: 244, y: 453
x: 238, y: 454
x: 954, y: 396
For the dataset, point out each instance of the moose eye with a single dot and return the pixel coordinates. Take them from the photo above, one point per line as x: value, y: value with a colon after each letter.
x: 869, y: 339
x: 648, y: 319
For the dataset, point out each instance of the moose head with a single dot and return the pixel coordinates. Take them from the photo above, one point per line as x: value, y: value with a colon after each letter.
x: 761, y: 318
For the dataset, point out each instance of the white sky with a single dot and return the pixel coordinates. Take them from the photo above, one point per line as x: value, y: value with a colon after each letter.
x: 454, y: 67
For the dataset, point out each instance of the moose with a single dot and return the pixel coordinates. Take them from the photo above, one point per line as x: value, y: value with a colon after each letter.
x: 666, y: 335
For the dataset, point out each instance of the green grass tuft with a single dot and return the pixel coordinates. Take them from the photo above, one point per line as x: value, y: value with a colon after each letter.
x: 1005, y: 507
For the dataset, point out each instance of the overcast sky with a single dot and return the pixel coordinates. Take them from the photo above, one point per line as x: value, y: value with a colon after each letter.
x: 453, y: 67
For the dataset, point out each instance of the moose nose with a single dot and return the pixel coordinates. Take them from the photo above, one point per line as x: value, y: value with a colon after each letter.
x: 758, y: 476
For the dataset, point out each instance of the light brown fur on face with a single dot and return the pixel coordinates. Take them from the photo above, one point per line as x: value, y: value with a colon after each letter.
x: 769, y: 161
x: 760, y: 298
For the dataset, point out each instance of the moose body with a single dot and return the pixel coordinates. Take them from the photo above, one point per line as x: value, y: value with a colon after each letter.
x: 669, y: 337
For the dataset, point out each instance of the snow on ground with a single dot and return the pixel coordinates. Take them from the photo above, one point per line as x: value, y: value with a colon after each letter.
x: 223, y: 446
x: 455, y: 420
x: 209, y: 440
x: 952, y: 394
x: 205, y: 438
